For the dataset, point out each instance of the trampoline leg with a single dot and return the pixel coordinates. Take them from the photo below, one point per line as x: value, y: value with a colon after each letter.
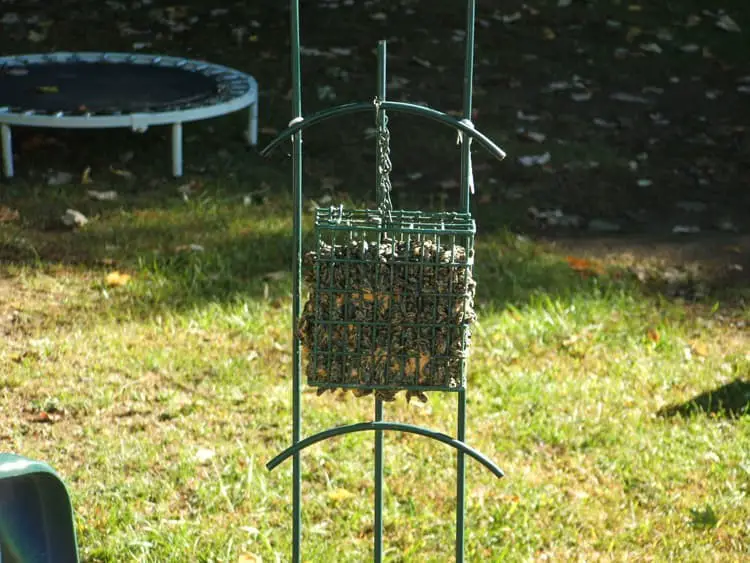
x: 7, y: 145
x: 252, y: 125
x: 177, y: 150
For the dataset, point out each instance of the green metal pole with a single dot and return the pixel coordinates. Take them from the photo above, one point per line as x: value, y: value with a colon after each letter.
x: 466, y: 180
x: 296, y: 290
x: 461, y: 478
x: 378, y: 528
x: 378, y: 525
x: 468, y: 101
x: 382, y: 70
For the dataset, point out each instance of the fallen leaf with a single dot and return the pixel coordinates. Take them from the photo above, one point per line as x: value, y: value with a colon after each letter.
x: 686, y: 229
x: 653, y: 335
x: 548, y: 34
x: 109, y: 195
x: 59, y: 178
x: 193, y: 247
x: 581, y: 96
x: 116, y: 279
x: 527, y: 116
x: 578, y: 264
x: 532, y: 136
x: 189, y: 188
x: 584, y: 266
x: 727, y: 24
x: 120, y: 172
x: 727, y: 225
x: 603, y: 123
x: 510, y: 18
x: 554, y: 218
x: 690, y: 48
x: 629, y: 98
x: 557, y: 86
x: 73, y: 218
x: 249, y: 558
x: 43, y: 417
x: 651, y: 48
x: 699, y: 348
x: 204, y: 455
x: 276, y: 276
x: 8, y: 215
x: 10, y: 18
x: 535, y: 159
x: 632, y: 33
x: 36, y: 36
x: 86, y: 176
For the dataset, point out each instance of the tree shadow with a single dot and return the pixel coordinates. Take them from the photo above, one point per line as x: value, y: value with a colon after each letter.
x: 730, y: 400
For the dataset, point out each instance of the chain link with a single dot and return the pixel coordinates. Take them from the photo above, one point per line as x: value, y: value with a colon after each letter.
x: 383, y: 156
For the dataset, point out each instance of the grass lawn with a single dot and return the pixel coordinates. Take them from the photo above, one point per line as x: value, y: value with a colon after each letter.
x: 612, y: 388
x: 164, y: 397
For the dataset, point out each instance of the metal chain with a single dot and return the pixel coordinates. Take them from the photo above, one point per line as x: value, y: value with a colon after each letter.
x: 383, y: 156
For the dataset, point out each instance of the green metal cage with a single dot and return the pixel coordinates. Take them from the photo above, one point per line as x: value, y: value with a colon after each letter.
x: 391, y: 300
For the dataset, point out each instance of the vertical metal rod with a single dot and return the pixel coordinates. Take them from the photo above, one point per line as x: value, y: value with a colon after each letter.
x: 465, y: 207
x: 460, y: 478
x: 468, y: 94
x: 378, y: 527
x: 297, y: 278
x: 7, y: 149
x: 381, y: 96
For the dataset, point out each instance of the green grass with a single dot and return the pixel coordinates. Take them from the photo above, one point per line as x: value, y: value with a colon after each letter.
x: 567, y: 393
x: 617, y: 408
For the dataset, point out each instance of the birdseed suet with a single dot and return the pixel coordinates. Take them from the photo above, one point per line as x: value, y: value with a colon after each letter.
x: 388, y: 316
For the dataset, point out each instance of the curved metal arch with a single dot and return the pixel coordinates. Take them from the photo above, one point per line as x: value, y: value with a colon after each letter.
x: 371, y: 426
x: 464, y: 127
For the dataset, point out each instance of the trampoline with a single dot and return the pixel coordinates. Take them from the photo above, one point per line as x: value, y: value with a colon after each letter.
x: 92, y: 90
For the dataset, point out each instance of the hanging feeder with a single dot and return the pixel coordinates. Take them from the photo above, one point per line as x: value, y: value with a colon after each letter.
x: 392, y: 292
x: 391, y: 302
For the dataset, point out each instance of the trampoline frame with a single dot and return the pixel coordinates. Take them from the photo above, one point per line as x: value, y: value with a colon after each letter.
x: 243, y: 93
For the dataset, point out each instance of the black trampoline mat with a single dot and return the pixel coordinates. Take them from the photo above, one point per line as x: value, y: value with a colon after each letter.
x: 101, y: 87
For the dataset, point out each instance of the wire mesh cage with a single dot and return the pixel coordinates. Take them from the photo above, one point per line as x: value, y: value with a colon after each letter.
x: 391, y: 300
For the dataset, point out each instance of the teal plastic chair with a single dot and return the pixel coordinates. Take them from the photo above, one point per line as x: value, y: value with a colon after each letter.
x: 36, y: 516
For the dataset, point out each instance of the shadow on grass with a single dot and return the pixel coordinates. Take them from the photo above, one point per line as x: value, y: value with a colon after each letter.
x: 730, y: 400
x: 184, y: 255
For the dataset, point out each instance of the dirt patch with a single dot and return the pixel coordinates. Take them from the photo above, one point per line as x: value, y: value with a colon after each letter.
x: 723, y: 260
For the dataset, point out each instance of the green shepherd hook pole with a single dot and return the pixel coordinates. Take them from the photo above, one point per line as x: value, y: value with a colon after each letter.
x: 397, y: 227
x: 296, y: 290
x: 467, y: 185
x: 382, y: 179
